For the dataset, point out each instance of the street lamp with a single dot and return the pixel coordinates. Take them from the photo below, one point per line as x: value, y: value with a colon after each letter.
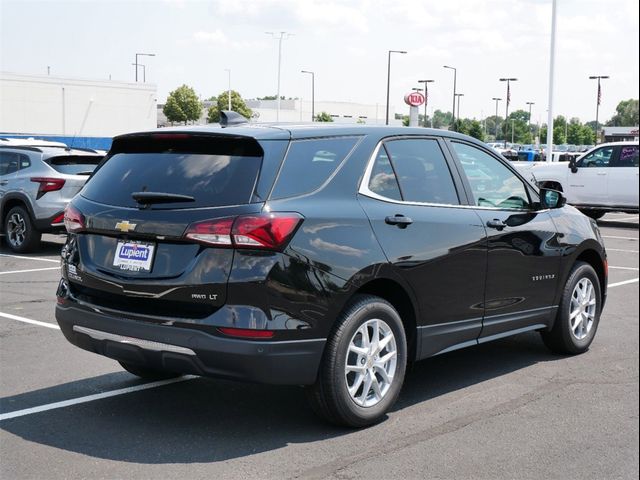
x: 228, y: 70
x: 282, y: 36
x: 506, y: 115
x: 141, y: 55
x: 599, y: 97
x: 513, y: 122
x: 389, y: 78
x: 496, y: 122
x: 426, y: 97
x: 313, y: 93
x: 144, y: 71
x: 530, y: 104
x: 453, y: 110
x: 458, y: 112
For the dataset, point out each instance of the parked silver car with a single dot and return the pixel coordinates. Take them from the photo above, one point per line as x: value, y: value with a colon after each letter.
x: 37, y: 180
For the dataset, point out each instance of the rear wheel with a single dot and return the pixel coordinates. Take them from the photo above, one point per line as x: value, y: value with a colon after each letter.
x: 579, y: 313
x: 148, y: 373
x: 595, y: 214
x: 20, y: 231
x: 363, y: 365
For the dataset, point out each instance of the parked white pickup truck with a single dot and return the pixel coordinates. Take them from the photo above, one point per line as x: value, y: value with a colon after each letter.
x: 604, y: 179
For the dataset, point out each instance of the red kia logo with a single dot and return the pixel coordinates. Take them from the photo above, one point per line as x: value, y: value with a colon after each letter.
x: 415, y: 99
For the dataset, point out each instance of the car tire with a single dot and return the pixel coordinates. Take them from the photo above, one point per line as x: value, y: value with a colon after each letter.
x: 579, y: 313
x: 595, y: 214
x: 20, y: 232
x: 147, y: 373
x: 354, y: 360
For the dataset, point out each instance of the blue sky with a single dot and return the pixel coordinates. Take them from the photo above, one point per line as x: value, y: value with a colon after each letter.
x: 344, y: 42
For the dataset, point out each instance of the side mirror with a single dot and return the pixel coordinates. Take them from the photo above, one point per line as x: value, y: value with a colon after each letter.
x: 551, y: 199
x: 572, y: 165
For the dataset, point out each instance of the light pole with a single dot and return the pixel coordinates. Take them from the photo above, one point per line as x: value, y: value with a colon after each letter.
x: 142, y: 55
x: 389, y: 78
x: 552, y: 64
x: 530, y: 104
x: 506, y: 115
x: 599, y: 97
x: 455, y: 78
x: 228, y: 70
x: 281, y: 36
x: 144, y: 71
x: 496, y: 126
x: 513, y: 122
x: 458, y: 95
x: 426, y: 97
x: 313, y: 93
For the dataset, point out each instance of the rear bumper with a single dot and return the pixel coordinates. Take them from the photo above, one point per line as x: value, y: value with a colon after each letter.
x: 191, y: 351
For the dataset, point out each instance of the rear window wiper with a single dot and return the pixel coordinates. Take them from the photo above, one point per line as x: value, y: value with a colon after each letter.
x: 147, y: 198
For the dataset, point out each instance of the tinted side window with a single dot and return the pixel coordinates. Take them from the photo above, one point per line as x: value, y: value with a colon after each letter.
x: 422, y: 171
x: 9, y: 162
x: 383, y: 179
x: 492, y: 183
x: 309, y: 164
x: 628, y: 157
x: 598, y: 158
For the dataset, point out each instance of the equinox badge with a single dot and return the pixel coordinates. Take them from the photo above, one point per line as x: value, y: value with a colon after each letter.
x: 125, y: 226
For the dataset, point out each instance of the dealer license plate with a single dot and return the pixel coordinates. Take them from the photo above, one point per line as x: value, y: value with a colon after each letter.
x: 134, y: 256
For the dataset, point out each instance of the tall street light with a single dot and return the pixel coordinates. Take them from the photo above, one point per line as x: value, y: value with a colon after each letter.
x: 426, y: 97
x: 453, y: 110
x: 506, y: 115
x: 313, y: 93
x: 228, y: 70
x: 142, y: 55
x: 280, y: 36
x: 599, y: 97
x: 144, y: 71
x: 402, y: 52
x: 458, y: 95
x: 496, y: 122
x: 530, y: 104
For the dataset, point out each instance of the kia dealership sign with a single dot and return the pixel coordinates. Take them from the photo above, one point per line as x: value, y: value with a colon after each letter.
x: 414, y: 99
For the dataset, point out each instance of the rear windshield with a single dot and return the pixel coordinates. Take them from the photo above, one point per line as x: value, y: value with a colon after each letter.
x: 74, y: 164
x: 213, y: 173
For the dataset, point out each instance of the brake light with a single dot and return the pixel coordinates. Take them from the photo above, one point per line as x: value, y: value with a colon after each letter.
x: 59, y: 219
x: 271, y: 231
x: 73, y: 219
x: 246, y: 332
x: 170, y: 136
x: 48, y: 184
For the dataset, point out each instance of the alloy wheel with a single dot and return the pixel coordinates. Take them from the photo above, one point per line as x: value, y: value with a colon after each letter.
x: 16, y: 229
x: 583, y: 308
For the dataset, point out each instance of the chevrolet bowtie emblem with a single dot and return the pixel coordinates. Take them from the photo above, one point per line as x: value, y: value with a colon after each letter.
x: 125, y: 226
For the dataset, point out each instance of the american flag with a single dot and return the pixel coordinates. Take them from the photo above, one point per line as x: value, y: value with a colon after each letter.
x: 508, y: 94
x: 599, y: 93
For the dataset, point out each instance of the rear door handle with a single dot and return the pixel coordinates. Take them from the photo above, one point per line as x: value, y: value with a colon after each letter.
x: 601, y: 173
x: 497, y: 224
x: 399, y: 221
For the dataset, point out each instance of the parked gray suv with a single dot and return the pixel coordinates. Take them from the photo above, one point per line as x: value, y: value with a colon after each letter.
x: 37, y: 180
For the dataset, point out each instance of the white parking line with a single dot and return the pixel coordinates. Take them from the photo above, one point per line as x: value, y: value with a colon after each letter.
x: 621, y: 250
x: 28, y: 320
x: 30, y: 270
x: 91, y: 398
x: 624, y: 268
x: 626, y: 282
x: 620, y: 238
x: 29, y: 258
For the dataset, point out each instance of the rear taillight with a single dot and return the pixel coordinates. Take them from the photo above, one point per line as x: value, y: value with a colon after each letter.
x: 271, y: 231
x: 58, y: 220
x: 47, y: 184
x: 73, y: 219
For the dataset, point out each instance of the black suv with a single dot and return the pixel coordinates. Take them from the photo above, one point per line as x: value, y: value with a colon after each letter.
x: 326, y: 256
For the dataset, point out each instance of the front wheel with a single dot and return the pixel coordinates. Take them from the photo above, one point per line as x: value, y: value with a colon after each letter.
x: 20, y: 231
x: 579, y: 314
x: 363, y: 366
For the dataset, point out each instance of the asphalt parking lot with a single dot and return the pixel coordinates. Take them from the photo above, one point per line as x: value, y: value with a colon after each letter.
x: 508, y: 409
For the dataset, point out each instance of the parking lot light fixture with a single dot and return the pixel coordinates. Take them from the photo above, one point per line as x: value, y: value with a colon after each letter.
x: 426, y: 97
x: 313, y: 92
x: 530, y: 104
x: 141, y: 55
x: 280, y: 37
x: 455, y: 78
x: 402, y: 52
x: 144, y: 71
x: 496, y: 122
x: 598, y: 98
x: 506, y: 115
x: 458, y: 96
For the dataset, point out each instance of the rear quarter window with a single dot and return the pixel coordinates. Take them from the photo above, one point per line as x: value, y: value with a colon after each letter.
x: 310, y: 163
x: 74, y: 164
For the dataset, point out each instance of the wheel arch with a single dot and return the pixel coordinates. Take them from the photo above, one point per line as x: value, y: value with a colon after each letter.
x: 593, y: 258
x: 12, y: 200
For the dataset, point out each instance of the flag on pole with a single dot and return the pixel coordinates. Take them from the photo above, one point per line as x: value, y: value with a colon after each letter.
x: 599, y: 93
x: 508, y: 94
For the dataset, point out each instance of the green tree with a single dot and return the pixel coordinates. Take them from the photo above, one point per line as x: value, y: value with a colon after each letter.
x: 182, y: 105
x: 491, y: 125
x: 626, y: 114
x: 324, y: 117
x: 222, y: 103
x: 517, y: 127
x: 442, y: 119
x: 475, y: 130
